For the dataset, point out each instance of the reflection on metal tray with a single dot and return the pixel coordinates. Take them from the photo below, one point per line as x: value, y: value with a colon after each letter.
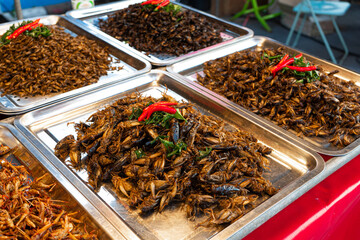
x: 291, y: 168
x: 90, y: 17
x: 26, y: 154
x: 121, y: 57
x: 191, y: 67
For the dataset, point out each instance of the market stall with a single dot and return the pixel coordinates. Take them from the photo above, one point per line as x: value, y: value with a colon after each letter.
x: 164, y: 122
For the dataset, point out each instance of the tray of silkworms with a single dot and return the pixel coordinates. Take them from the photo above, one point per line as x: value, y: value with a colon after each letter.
x: 161, y: 35
x: 170, y: 160
x: 314, y: 102
x: 37, y: 201
x: 50, y: 59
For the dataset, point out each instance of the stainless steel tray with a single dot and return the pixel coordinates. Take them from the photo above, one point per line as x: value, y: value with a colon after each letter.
x: 292, y: 168
x: 26, y: 154
x: 132, y: 66
x: 90, y: 17
x: 191, y: 67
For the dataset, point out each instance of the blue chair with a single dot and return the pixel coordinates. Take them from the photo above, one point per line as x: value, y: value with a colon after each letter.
x: 313, y: 8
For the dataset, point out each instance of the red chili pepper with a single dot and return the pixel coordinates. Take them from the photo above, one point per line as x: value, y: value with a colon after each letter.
x: 284, y: 64
x: 22, y: 29
x: 145, y: 113
x: 299, y: 55
x: 279, y: 67
x: 163, y: 4
x: 142, y: 116
x: 148, y: 112
x: 35, y: 22
x: 164, y: 103
x: 160, y: 108
x: 159, y: 103
x: 302, y: 69
x: 36, y: 25
x: 284, y: 59
x: 153, y: 2
x: 147, y: 2
x: 281, y: 61
x: 291, y: 60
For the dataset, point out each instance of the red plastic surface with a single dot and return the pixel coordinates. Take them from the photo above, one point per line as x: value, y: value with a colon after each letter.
x: 330, y: 210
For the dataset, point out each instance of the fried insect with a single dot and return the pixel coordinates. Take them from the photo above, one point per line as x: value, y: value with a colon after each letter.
x: 190, y: 159
x: 4, y: 149
x: 28, y: 212
x: 323, y: 107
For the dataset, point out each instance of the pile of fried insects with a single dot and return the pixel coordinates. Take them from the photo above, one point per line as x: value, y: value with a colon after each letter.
x: 160, y: 151
x: 290, y: 91
x: 38, y: 60
x: 162, y: 27
x: 28, y: 212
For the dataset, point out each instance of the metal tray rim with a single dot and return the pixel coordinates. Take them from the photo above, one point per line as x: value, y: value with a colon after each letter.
x: 306, y: 179
x: 155, y: 62
x: 268, y: 123
x: 75, y: 92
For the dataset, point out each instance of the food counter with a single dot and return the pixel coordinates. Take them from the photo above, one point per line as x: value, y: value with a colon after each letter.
x: 162, y: 153
x: 327, y: 211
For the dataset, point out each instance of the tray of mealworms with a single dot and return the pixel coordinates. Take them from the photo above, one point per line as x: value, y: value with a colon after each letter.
x: 37, y: 202
x: 314, y: 102
x: 49, y: 59
x: 161, y: 34
x: 170, y: 160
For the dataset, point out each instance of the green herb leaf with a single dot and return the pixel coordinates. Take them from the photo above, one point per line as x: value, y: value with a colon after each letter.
x: 149, y: 6
x: 43, y: 31
x: 265, y: 55
x: 171, y: 148
x: 163, y: 118
x: 300, y: 62
x: 136, y: 112
x: 139, y: 153
x: 168, y: 145
x: 157, y: 138
x: 165, y: 122
x: 3, y: 40
x: 306, y: 77
x: 179, y: 19
x: 170, y: 8
x: 149, y: 103
x: 156, y: 118
x: 204, y: 153
x: 180, y: 145
x: 178, y: 115
x: 12, y: 28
